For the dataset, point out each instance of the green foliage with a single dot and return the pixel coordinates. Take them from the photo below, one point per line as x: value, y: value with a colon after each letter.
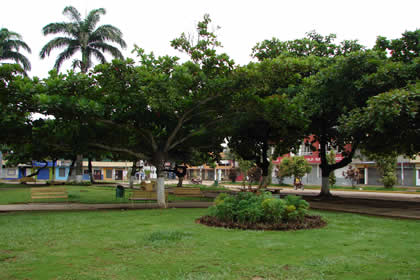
x: 294, y: 166
x: 313, y: 44
x: 250, y: 208
x: 266, y: 113
x: 331, y: 160
x: 389, y: 179
x: 403, y: 49
x: 386, y: 165
x: 390, y: 122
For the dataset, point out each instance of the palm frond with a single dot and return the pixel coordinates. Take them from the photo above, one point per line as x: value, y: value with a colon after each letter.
x: 73, y: 13
x: 66, y: 54
x: 55, y: 44
x: 18, y: 58
x: 9, y: 35
x: 16, y: 45
x: 108, y: 33
x: 93, y: 18
x: 60, y: 27
x: 99, y: 55
x: 104, y: 47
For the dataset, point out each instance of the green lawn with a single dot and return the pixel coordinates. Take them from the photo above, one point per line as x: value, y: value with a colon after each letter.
x: 14, y: 194
x: 168, y: 244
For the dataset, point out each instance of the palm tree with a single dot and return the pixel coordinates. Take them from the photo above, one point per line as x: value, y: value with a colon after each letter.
x: 10, y: 43
x: 81, y: 35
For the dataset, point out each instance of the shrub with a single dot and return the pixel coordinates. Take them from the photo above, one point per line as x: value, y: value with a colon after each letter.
x: 250, y: 208
x: 389, y: 179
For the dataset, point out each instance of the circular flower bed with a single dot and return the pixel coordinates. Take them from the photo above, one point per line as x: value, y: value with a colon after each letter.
x: 260, y: 212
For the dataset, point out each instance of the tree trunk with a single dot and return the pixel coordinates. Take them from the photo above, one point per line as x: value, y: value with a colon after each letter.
x: 160, y: 189
x: 158, y: 161
x: 79, y: 168
x: 325, y: 187
x: 90, y: 171
x: 71, y: 171
x: 263, y: 163
x: 133, y: 174
x: 53, y: 170
x: 38, y: 170
x: 325, y: 170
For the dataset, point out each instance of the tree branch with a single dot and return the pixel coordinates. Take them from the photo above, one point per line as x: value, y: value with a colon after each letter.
x: 181, y: 120
x: 122, y: 150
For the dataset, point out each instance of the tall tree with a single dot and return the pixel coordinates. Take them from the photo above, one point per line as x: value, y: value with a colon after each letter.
x: 10, y: 45
x: 391, y: 120
x: 340, y: 88
x: 158, y: 109
x: 81, y: 35
x: 266, y: 114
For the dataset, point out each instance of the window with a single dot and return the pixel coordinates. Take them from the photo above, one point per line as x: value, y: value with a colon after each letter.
x: 305, y: 149
x: 108, y: 173
x: 11, y: 172
x: 62, y: 172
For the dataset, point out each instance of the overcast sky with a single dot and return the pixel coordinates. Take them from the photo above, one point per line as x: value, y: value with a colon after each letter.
x: 153, y: 24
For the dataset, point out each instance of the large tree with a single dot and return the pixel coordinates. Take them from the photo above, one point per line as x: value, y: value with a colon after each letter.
x: 159, y: 109
x: 10, y: 45
x: 82, y: 35
x: 340, y: 88
x: 266, y: 114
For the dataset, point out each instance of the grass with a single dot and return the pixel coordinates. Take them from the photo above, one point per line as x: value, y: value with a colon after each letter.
x: 168, y: 244
x: 15, y: 194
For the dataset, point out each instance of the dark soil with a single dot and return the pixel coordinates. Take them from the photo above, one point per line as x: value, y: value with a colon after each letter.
x: 309, y: 222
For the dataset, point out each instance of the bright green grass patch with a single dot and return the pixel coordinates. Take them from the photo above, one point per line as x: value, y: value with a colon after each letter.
x: 15, y: 194
x: 168, y: 244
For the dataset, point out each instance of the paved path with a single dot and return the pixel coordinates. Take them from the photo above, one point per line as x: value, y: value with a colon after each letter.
x: 91, y: 207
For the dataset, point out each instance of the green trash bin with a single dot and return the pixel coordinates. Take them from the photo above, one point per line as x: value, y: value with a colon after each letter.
x: 119, y: 191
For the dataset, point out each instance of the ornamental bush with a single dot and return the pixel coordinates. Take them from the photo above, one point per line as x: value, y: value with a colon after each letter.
x: 251, y: 208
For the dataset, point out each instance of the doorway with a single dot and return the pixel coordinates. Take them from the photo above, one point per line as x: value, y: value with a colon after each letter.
x: 118, y: 175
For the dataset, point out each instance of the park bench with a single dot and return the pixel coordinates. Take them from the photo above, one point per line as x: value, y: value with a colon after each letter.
x: 145, y: 195
x: 25, y: 180
x: 194, y: 192
x: 150, y: 187
x: 48, y: 193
